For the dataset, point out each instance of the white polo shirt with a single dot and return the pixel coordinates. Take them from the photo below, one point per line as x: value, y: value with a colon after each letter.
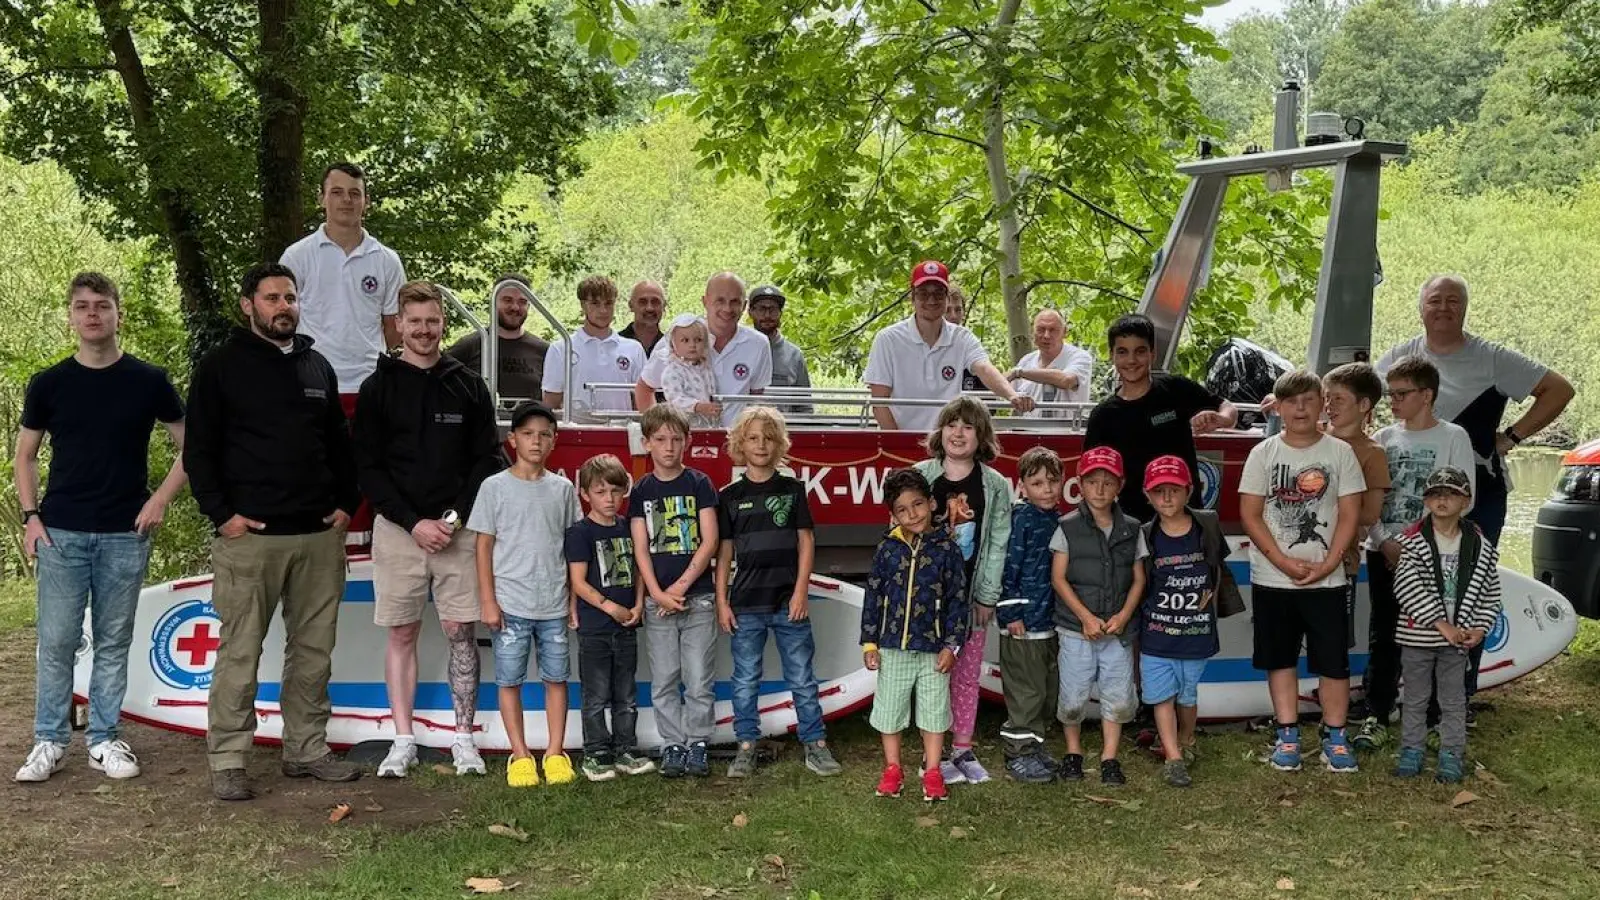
x: 904, y: 363
x: 612, y: 359
x: 1076, y: 360
x: 743, y: 366
x: 343, y: 299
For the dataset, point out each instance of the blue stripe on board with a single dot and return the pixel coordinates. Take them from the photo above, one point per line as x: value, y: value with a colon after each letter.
x: 435, y: 695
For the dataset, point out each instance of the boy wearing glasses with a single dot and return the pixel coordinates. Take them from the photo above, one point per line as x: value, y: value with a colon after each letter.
x: 1415, y: 445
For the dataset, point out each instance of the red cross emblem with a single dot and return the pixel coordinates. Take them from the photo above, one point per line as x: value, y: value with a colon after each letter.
x: 199, y: 644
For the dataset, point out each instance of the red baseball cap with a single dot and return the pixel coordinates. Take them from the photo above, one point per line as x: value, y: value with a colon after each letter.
x: 1167, y: 469
x: 1103, y: 458
x: 930, y: 270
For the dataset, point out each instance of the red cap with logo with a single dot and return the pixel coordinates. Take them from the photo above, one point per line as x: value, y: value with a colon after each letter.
x: 1167, y: 469
x: 930, y: 270
x: 1105, y: 459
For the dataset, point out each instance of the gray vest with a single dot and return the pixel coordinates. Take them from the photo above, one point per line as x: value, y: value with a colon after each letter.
x: 1099, y: 570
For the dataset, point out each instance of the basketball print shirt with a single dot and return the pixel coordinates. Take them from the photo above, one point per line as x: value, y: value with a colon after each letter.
x: 763, y: 519
x: 671, y: 514
x: 1301, y: 488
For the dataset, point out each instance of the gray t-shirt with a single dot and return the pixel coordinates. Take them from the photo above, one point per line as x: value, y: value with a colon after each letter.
x: 1412, y: 456
x: 521, y: 363
x: 529, y: 521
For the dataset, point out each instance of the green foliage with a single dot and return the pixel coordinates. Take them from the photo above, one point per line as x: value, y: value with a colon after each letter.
x: 869, y: 124
x: 445, y: 104
x: 1579, y: 24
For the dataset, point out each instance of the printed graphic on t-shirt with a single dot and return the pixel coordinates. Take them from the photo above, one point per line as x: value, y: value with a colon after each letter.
x: 1292, y: 504
x: 780, y: 506
x: 674, y: 524
x: 614, y: 556
x: 1408, y: 474
x: 958, y: 512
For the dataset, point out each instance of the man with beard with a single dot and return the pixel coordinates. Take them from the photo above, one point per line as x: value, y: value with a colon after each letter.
x: 424, y: 440
x: 788, y: 363
x: 519, y: 355
x: 741, y: 357
x: 648, y: 302
x: 348, y: 282
x: 269, y: 458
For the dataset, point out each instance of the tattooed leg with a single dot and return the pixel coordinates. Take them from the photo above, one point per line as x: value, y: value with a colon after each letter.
x: 463, y: 638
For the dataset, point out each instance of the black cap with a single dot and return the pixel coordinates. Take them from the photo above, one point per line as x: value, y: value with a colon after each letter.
x: 528, y: 409
x: 768, y: 292
x: 1448, y: 478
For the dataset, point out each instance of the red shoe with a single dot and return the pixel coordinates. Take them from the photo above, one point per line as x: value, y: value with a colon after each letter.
x: 933, y: 785
x: 889, y: 785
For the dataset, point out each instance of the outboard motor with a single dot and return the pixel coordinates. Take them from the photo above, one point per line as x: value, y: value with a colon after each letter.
x: 1243, y: 372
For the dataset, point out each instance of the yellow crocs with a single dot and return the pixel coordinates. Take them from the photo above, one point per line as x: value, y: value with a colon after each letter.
x: 558, y: 770
x: 523, y: 772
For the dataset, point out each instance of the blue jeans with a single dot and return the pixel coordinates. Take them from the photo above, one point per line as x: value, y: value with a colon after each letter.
x: 795, y: 649
x: 102, y: 573
x: 516, y: 641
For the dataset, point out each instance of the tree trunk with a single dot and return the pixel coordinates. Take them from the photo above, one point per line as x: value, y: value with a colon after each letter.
x: 1016, y: 301
x: 281, y: 149
x: 202, y: 305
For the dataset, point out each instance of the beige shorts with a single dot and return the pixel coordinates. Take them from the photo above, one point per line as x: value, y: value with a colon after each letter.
x: 403, y: 574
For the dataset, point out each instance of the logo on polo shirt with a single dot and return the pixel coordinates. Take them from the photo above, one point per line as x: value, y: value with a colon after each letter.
x: 623, y: 363
x: 949, y: 373
x: 369, y: 283
x: 741, y: 371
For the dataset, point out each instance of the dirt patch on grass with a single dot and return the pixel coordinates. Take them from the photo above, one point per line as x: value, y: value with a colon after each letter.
x: 60, y: 837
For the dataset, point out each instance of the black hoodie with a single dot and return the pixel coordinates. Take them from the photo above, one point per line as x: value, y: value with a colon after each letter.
x: 266, y: 437
x: 424, y: 439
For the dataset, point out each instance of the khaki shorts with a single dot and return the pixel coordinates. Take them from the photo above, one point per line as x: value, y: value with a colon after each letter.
x: 403, y: 573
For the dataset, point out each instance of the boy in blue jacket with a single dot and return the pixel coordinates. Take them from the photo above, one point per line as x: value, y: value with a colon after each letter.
x: 1028, y: 643
x: 916, y: 607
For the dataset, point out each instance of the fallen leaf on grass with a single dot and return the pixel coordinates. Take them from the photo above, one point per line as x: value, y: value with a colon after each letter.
x: 171, y: 881
x: 102, y: 789
x: 340, y: 813
x: 1191, y: 826
x: 741, y: 820
x: 1462, y: 799
x: 1113, y: 801
x: 926, y: 821
x: 1348, y: 795
x: 509, y: 831
x: 1488, y: 777
x: 442, y: 769
x: 372, y: 807
x: 773, y: 859
x: 1286, y: 803
x: 1285, y: 884
x: 1126, y: 890
x: 491, y: 885
x: 1191, y: 885
x: 958, y: 832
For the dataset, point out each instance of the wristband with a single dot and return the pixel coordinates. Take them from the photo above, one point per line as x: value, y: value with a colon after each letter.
x: 1511, y: 435
x: 28, y: 514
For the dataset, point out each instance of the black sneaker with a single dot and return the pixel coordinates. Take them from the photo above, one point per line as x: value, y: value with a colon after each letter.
x: 673, y: 759
x: 1111, y: 772
x: 1030, y: 769
x: 1071, y: 767
x: 697, y: 764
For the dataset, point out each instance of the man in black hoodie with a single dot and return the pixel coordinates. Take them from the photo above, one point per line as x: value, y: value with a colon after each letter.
x: 269, y: 459
x: 425, y: 439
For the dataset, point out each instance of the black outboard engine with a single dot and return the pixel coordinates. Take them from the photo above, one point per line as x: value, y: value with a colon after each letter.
x: 1243, y: 372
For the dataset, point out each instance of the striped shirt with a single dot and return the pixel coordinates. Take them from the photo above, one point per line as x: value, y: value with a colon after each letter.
x: 1419, y: 587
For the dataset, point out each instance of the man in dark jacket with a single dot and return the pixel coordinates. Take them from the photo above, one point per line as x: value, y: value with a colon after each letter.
x: 268, y: 455
x: 425, y: 439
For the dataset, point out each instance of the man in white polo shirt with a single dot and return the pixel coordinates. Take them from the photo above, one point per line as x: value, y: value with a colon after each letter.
x: 1056, y: 372
x: 741, y: 356
x: 599, y: 355
x: 922, y: 357
x: 349, y: 283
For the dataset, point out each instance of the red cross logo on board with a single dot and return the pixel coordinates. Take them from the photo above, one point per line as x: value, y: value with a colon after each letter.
x: 199, y: 644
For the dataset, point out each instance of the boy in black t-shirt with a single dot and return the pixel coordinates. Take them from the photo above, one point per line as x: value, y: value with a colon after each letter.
x: 610, y: 600
x: 1152, y: 413
x: 673, y: 515
x: 765, y: 524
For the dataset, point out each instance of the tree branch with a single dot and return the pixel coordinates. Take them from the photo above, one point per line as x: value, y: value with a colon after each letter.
x: 1028, y: 288
x: 56, y: 70
x: 945, y: 134
x: 220, y: 45
x: 1142, y: 233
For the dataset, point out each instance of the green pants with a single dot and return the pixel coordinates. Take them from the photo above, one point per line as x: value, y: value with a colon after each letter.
x: 904, y: 675
x: 252, y: 573
x: 1028, y: 678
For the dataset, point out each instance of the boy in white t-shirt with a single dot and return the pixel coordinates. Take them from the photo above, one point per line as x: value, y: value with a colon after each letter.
x: 1300, y: 498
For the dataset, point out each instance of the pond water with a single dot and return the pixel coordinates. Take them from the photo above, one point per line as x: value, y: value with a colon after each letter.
x: 1533, y: 474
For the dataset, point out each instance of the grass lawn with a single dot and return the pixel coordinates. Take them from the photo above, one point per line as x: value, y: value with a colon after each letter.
x: 1242, y: 831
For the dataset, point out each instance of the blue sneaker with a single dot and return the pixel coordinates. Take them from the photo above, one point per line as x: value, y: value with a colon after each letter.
x: 1337, y: 754
x: 673, y: 759
x: 1410, y: 765
x: 1286, y: 752
x: 697, y: 764
x: 1449, y: 768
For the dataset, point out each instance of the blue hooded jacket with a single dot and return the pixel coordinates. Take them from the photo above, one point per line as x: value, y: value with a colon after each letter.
x: 916, y: 596
x: 1026, y: 594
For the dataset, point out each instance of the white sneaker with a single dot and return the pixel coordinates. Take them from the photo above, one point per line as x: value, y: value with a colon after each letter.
x: 115, y: 759
x: 402, y: 756
x: 46, y: 759
x: 465, y: 755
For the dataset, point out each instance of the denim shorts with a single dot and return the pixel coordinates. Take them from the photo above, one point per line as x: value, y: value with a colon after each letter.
x: 518, y: 638
x: 1165, y: 679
